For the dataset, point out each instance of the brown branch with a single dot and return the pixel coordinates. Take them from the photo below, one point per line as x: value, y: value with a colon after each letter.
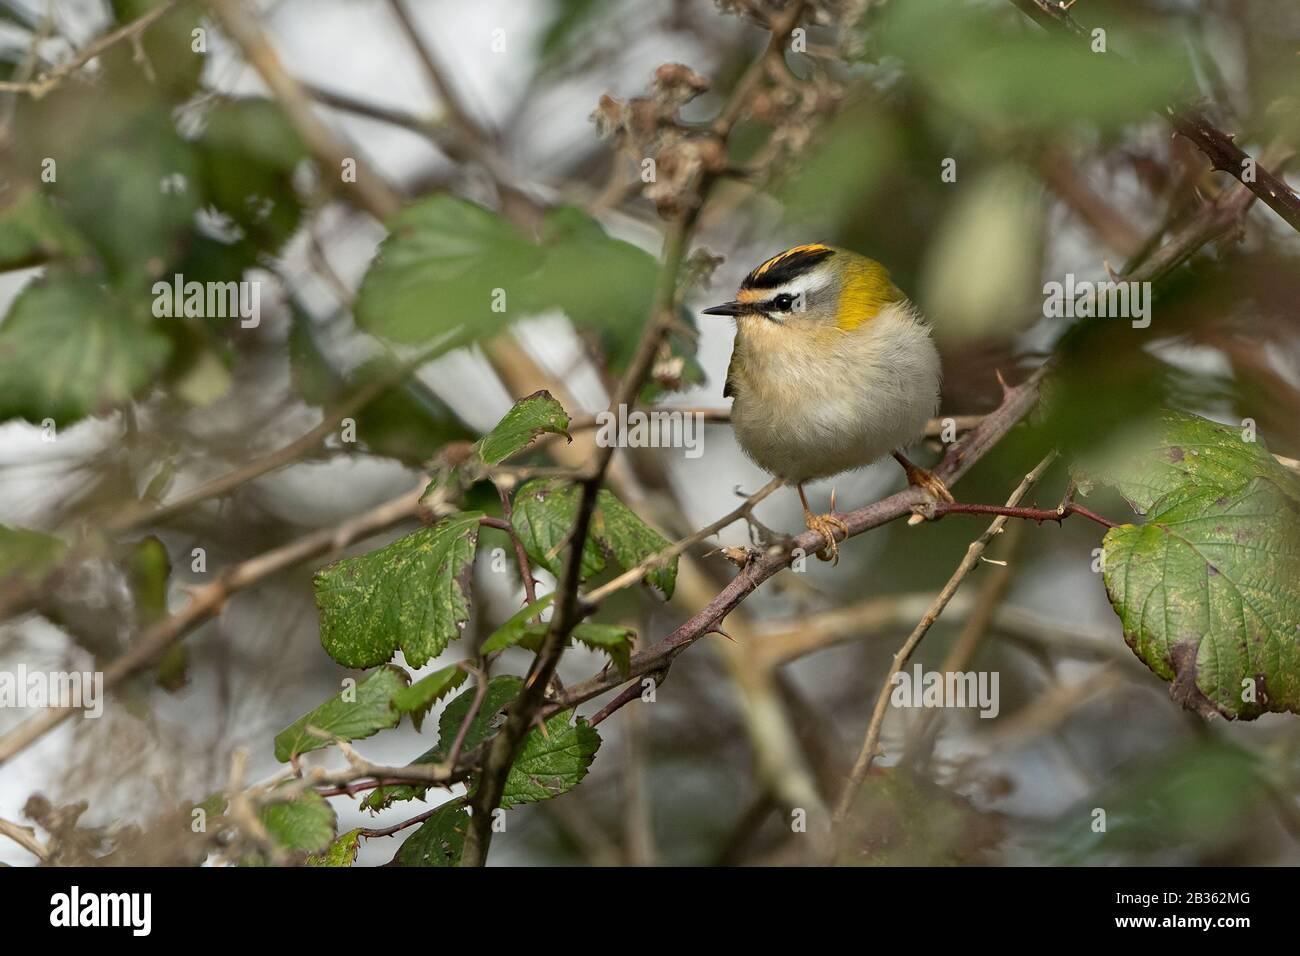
x: 868, y: 752
x: 1218, y: 146
x: 961, y: 457
x: 436, y: 75
x: 26, y: 838
x: 1030, y: 514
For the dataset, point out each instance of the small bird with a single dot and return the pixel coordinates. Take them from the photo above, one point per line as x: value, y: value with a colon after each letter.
x: 833, y: 368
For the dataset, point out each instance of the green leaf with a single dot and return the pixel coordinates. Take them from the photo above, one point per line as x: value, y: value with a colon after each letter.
x: 1206, y: 588
x: 530, y: 417
x: 342, y: 852
x: 437, y: 271
x: 631, y: 540
x: 599, y: 281
x: 27, y: 556
x: 449, y: 266
x: 609, y: 639
x: 373, y: 710
x: 31, y: 231
x: 68, y: 350
x: 552, y: 763
x: 247, y: 153
x: 305, y: 824
x: 516, y: 629
x: 545, y: 511
x: 500, y: 691
x: 129, y: 192
x: 439, y: 840
x: 410, y: 594
x: 417, y: 699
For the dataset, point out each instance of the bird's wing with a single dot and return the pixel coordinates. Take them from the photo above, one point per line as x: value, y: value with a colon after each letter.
x: 729, y: 389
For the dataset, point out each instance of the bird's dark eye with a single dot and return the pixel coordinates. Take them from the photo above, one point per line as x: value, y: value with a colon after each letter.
x: 783, y: 302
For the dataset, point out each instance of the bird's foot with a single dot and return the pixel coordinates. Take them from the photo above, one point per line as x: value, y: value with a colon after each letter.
x: 928, y: 482
x: 826, y: 525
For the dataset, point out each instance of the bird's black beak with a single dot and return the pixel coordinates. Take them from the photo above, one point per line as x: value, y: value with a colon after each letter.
x: 727, y: 308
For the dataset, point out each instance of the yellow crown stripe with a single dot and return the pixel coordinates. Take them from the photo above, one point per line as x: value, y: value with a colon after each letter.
x: 781, y: 257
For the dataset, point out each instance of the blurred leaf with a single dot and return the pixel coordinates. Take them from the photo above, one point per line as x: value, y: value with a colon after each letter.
x: 487, y: 721
x: 529, y: 418
x: 1206, y: 588
x: 68, y: 350
x: 439, y: 841
x: 131, y: 190
x: 248, y: 153
x: 551, y: 763
x: 149, y: 570
x: 449, y: 266
x: 899, y: 818
x: 437, y: 271
x: 373, y: 710
x: 598, y: 281
x: 342, y: 852
x: 417, y: 699
x: 981, y: 272
x: 545, y: 511
x: 568, y: 18
x: 1196, y: 799
x: 839, y: 172
x: 411, y: 594
x: 995, y: 68
x: 27, y: 556
x: 304, y: 824
x: 32, y: 231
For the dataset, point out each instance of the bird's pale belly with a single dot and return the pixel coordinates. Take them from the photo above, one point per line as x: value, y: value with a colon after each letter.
x: 814, y: 420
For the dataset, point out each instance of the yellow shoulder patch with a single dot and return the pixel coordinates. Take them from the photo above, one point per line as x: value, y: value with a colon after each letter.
x: 793, y: 251
x: 866, y: 290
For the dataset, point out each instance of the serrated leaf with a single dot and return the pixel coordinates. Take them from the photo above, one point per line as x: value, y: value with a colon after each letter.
x: 518, y: 631
x: 1176, y: 451
x: 439, y: 840
x: 631, y: 540
x: 552, y: 763
x: 411, y: 594
x: 530, y: 417
x: 500, y: 691
x: 372, y: 711
x: 545, y: 511
x: 27, y: 556
x: 1207, y: 589
x: 417, y: 699
x: 608, y: 639
x: 68, y: 350
x: 304, y: 825
x: 342, y: 852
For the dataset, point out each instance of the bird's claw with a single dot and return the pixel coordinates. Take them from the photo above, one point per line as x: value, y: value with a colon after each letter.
x: 826, y: 525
